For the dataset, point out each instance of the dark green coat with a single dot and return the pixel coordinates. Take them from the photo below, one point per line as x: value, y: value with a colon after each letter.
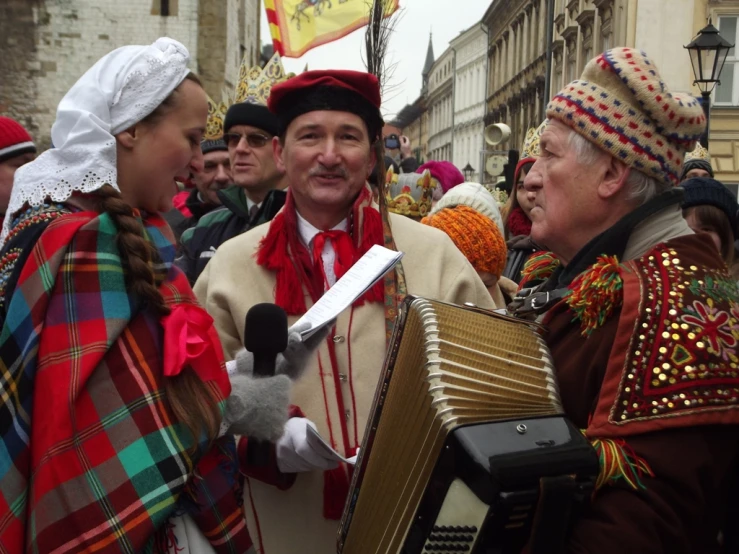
x: 200, y: 243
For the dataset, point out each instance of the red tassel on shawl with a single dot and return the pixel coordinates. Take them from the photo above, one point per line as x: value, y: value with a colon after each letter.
x: 596, y: 294
x: 335, y: 490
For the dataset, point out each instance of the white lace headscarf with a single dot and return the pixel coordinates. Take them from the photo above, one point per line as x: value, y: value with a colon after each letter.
x: 121, y: 89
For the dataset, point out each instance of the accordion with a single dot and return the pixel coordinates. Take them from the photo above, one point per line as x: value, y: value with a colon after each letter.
x: 466, y: 448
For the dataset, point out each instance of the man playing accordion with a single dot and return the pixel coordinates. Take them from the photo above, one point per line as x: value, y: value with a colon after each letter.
x: 642, y: 316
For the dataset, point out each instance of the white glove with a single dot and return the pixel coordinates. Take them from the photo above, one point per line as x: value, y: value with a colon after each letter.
x: 295, y: 454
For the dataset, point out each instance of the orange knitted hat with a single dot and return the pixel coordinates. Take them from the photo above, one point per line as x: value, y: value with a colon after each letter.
x: 475, y: 235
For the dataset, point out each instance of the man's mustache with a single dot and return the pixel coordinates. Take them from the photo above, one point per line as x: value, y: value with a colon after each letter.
x: 323, y: 171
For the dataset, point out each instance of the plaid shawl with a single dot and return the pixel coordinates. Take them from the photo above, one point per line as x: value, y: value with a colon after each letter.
x: 92, y: 457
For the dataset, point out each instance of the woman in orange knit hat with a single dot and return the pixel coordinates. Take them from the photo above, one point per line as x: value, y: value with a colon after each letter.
x: 479, y: 239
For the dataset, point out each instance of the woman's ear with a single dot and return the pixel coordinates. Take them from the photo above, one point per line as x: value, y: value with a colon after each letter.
x: 127, y: 139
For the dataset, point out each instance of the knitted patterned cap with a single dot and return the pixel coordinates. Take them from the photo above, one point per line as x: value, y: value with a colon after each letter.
x: 475, y: 235
x: 621, y: 104
x: 14, y: 139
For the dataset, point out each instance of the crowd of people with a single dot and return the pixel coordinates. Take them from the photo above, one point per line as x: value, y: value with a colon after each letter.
x: 131, y: 409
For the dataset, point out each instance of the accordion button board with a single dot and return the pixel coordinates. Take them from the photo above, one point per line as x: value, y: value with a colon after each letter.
x: 459, y: 521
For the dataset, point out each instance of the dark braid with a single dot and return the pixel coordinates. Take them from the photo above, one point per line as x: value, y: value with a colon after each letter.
x: 137, y: 253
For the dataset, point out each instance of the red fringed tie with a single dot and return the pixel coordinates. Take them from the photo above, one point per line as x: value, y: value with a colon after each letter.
x: 341, y: 242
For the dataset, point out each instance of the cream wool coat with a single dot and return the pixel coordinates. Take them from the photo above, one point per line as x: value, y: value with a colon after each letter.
x: 292, y: 521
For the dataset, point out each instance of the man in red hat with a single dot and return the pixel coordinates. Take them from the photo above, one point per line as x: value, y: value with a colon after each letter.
x: 16, y: 149
x: 329, y: 122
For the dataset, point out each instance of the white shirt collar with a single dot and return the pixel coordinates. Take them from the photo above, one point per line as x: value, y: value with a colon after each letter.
x: 250, y: 203
x: 308, y: 232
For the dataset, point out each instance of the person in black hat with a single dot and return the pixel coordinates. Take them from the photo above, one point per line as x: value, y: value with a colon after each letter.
x: 709, y: 207
x: 258, y: 187
x: 214, y: 176
x: 697, y: 167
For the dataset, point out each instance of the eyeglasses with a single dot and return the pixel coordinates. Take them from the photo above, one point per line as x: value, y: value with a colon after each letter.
x: 254, y: 140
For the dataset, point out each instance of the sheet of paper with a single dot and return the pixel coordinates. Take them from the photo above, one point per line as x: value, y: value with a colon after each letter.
x: 366, y: 272
x: 319, y: 445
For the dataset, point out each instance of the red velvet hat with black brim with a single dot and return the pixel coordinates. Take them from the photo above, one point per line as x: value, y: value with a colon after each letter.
x: 355, y: 92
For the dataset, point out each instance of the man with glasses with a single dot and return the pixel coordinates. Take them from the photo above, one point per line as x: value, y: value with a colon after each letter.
x: 257, y: 194
x: 214, y: 177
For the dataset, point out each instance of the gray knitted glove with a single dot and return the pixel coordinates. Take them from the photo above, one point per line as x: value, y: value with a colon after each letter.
x: 257, y: 406
x: 294, y: 359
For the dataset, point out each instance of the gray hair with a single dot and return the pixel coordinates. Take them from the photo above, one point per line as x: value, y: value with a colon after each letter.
x: 641, y: 186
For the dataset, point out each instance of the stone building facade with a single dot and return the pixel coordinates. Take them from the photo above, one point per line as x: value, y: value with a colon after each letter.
x: 47, y: 45
x: 517, y: 62
x: 470, y: 70
x: 441, y: 107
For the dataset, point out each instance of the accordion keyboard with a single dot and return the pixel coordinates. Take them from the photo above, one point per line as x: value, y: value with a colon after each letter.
x: 459, y: 521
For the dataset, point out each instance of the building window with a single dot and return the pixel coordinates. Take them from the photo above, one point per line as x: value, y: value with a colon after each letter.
x: 727, y: 93
x: 164, y: 8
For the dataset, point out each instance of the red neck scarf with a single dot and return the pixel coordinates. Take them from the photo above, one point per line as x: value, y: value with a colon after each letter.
x: 341, y: 242
x: 518, y: 223
x: 282, y: 252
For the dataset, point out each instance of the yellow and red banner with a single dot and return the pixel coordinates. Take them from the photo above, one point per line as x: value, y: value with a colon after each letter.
x: 297, y: 26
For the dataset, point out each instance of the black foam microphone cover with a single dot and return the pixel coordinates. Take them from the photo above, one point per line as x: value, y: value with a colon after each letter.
x: 265, y: 335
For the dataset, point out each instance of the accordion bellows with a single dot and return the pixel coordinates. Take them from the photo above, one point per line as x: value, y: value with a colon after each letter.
x: 448, y: 367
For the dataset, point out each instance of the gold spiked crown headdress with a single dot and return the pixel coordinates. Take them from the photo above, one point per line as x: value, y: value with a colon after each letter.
x: 530, y: 148
x: 216, y: 116
x: 255, y: 83
x: 409, y: 194
x: 700, y: 153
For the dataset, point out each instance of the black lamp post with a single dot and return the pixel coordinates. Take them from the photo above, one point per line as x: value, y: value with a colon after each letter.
x: 708, y: 53
x: 468, y: 171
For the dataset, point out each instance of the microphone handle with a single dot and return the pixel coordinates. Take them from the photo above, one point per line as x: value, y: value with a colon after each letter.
x: 258, y: 452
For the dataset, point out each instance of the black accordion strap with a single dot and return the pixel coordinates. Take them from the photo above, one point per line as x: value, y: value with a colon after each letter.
x: 558, y: 497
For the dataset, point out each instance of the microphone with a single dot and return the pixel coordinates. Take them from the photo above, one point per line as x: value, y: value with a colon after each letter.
x: 265, y: 336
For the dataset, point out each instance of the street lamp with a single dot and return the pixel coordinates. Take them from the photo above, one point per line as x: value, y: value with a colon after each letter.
x: 708, y: 53
x: 469, y: 171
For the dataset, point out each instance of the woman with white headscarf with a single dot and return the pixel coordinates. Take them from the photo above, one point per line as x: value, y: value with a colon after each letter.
x: 113, y: 378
